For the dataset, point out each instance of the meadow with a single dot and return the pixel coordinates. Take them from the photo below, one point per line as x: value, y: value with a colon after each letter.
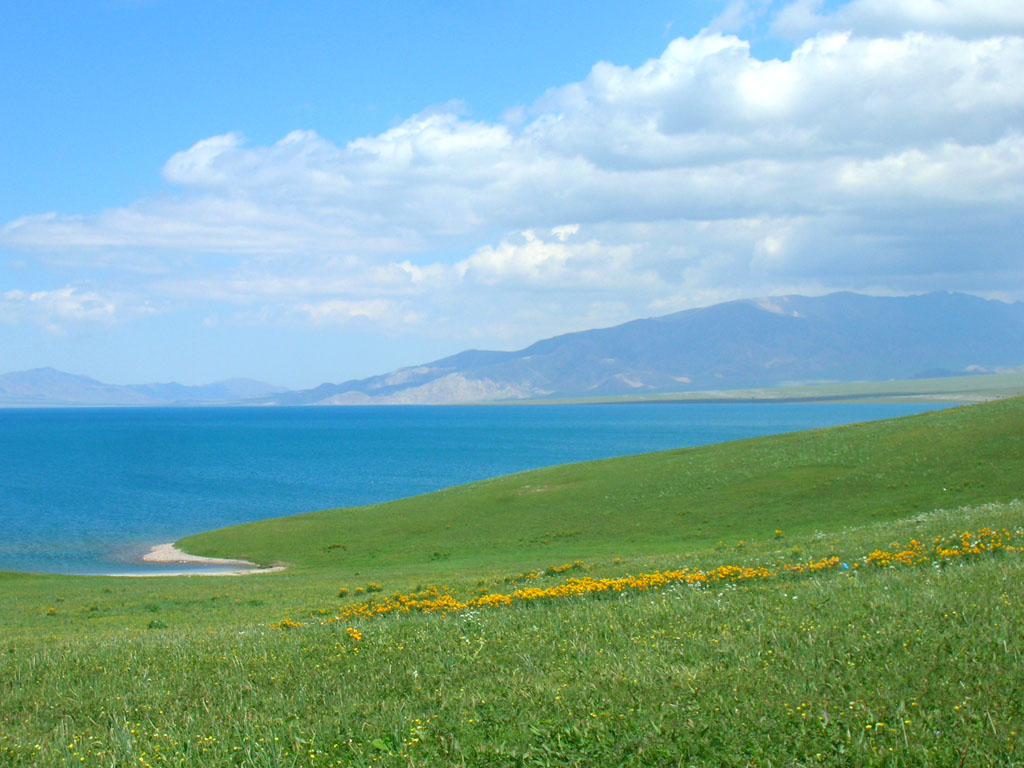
x: 840, y: 597
x: 973, y: 388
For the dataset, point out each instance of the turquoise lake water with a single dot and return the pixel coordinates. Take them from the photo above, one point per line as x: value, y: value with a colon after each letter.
x: 90, y: 490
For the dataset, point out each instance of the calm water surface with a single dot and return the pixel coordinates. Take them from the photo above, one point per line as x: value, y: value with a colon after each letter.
x: 89, y: 490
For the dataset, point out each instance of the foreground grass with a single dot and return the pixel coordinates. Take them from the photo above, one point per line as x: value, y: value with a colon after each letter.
x: 869, y: 666
x: 900, y: 666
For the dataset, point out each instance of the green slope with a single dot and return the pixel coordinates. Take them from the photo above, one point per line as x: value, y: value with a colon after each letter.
x: 672, y: 501
x: 863, y: 666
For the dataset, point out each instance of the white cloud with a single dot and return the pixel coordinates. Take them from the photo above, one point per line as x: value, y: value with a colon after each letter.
x: 963, y: 18
x: 552, y: 262
x: 708, y: 102
x: 55, y: 309
x: 705, y: 130
x: 865, y: 159
x: 970, y: 176
x: 334, y: 311
x: 201, y: 165
x: 738, y: 14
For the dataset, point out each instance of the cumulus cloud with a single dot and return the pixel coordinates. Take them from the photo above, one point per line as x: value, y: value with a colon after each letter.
x: 54, y: 310
x: 704, y: 131
x: 891, y: 137
x: 553, y: 262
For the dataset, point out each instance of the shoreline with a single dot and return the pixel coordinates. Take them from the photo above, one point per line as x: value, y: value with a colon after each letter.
x: 166, y: 554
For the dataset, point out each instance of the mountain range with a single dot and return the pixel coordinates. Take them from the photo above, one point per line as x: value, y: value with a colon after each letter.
x: 48, y: 386
x: 738, y: 344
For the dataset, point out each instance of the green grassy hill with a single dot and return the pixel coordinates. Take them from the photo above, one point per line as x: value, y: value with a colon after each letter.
x: 854, y: 662
x: 673, y: 501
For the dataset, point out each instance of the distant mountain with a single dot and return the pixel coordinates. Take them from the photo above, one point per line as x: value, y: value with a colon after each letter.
x: 48, y: 386
x: 738, y: 344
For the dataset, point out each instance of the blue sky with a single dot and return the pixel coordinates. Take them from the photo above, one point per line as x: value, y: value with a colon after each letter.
x: 201, y: 190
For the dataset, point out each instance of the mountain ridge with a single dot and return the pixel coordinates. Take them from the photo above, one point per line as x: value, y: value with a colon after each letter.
x: 48, y: 386
x: 747, y: 343
x: 759, y: 342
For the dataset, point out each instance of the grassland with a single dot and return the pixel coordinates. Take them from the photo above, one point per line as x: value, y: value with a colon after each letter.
x: 668, y: 502
x: 904, y: 665
x: 975, y: 388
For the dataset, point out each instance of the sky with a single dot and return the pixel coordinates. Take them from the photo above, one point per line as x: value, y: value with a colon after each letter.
x: 312, y: 192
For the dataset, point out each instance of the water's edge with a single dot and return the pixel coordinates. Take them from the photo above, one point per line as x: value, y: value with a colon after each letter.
x: 91, y: 491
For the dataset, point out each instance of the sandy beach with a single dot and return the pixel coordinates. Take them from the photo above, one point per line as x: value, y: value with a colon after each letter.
x: 168, y: 553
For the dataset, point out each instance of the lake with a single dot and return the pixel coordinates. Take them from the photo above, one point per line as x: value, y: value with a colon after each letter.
x: 90, y: 490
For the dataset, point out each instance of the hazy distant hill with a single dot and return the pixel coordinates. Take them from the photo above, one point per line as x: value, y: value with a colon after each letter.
x: 48, y: 386
x: 750, y: 343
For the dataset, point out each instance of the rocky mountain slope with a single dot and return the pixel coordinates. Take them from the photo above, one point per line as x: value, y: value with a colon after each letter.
x: 748, y: 343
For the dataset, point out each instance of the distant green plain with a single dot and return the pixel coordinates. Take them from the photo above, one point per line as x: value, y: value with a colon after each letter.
x: 974, y: 388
